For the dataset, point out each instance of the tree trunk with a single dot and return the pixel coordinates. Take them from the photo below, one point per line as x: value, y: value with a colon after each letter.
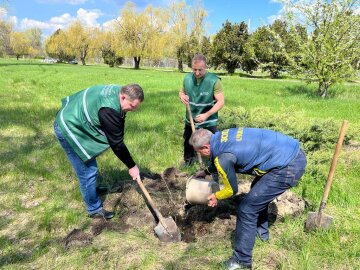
x: 137, y: 62
x: 83, y: 56
x: 322, y: 90
x: 274, y: 74
x: 180, y: 65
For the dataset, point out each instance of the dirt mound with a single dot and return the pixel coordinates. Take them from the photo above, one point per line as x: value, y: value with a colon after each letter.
x: 77, y: 238
x: 287, y: 204
x: 101, y: 225
x: 168, y: 193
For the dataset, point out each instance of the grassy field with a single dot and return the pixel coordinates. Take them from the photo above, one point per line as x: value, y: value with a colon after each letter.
x: 40, y: 201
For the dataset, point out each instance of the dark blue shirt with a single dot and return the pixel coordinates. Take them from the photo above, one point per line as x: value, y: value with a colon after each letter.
x: 252, y: 151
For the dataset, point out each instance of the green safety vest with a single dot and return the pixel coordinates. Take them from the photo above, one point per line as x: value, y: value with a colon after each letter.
x: 201, y: 97
x: 78, y: 119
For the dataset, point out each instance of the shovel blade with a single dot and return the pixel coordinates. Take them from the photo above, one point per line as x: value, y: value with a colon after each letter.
x: 169, y: 234
x: 312, y: 221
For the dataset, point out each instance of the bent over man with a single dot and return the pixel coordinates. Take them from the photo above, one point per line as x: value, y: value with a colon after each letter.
x: 89, y: 122
x: 276, y: 161
x: 203, y: 91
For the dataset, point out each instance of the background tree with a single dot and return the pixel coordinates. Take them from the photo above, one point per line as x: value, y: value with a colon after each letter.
x: 228, y: 46
x: 56, y: 46
x: 293, y: 44
x: 20, y: 44
x: 178, y: 33
x: 102, y: 42
x: 270, y: 48
x: 78, y: 39
x: 5, y: 30
x: 206, y: 47
x: 249, y: 61
x: 140, y: 34
x: 197, y: 31
x: 35, y: 37
x: 328, y: 55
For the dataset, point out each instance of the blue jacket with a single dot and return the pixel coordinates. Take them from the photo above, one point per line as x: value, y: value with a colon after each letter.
x: 253, y: 151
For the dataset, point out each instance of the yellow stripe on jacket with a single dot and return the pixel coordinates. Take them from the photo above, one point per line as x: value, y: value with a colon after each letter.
x: 227, y: 192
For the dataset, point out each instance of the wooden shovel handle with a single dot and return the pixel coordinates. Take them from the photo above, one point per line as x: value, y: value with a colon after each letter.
x: 151, y: 202
x: 333, y: 165
x: 193, y: 130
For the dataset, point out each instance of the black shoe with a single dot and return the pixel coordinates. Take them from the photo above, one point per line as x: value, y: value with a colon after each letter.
x: 103, y: 214
x: 232, y: 264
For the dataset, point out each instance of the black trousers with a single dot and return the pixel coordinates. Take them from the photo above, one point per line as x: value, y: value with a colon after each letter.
x: 189, y: 152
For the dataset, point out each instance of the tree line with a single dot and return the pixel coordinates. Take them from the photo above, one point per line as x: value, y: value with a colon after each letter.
x: 316, y: 40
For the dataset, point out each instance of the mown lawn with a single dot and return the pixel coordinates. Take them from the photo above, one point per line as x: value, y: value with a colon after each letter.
x: 40, y: 201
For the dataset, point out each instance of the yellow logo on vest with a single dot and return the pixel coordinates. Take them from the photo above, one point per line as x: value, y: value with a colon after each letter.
x: 224, y: 135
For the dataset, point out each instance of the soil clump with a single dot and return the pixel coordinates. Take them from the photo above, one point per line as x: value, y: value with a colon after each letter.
x: 168, y: 192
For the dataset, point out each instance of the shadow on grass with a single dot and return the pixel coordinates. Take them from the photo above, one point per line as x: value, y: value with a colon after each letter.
x: 311, y: 91
x: 24, y: 63
x: 114, y: 181
x: 28, y: 252
x: 241, y: 75
x: 15, y: 154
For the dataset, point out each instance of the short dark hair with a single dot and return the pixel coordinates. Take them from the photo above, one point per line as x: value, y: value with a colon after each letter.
x: 199, y: 57
x: 133, y: 91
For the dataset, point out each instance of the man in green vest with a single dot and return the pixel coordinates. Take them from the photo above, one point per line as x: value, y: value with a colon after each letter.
x: 203, y: 91
x: 89, y: 122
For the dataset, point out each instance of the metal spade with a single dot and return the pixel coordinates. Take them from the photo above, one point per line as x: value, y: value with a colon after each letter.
x: 166, y: 230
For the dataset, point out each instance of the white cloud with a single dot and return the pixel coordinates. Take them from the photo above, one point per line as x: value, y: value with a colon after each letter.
x: 109, y: 25
x: 273, y: 18
x: 88, y: 17
x: 64, y: 19
x: 71, y: 2
x: 28, y: 23
x: 4, y: 16
x: 59, y: 22
x: 3, y: 13
x: 13, y: 20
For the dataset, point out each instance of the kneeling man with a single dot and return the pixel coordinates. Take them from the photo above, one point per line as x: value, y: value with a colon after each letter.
x: 276, y: 161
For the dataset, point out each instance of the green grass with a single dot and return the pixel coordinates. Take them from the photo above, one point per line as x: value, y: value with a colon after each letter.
x: 40, y: 200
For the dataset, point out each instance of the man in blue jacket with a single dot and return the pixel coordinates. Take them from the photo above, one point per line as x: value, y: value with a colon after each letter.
x: 276, y: 161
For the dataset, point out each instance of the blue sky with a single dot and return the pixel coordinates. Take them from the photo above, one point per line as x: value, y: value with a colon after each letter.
x: 49, y: 15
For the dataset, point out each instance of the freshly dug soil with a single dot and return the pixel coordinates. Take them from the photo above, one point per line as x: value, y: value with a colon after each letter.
x: 168, y: 193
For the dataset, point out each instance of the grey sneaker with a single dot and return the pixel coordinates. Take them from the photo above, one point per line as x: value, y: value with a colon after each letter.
x: 233, y: 264
x: 103, y: 214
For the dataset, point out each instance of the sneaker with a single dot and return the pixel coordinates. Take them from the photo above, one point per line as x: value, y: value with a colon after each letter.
x: 103, y: 214
x: 233, y: 264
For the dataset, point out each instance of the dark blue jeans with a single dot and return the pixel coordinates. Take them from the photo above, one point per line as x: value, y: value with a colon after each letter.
x: 252, y: 211
x: 86, y: 173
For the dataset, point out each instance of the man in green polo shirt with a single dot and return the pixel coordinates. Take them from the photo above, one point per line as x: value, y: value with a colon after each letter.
x: 89, y: 122
x: 203, y: 91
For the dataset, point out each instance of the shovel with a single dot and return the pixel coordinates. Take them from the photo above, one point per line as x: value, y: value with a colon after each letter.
x: 166, y: 230
x: 319, y: 219
x: 193, y: 130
